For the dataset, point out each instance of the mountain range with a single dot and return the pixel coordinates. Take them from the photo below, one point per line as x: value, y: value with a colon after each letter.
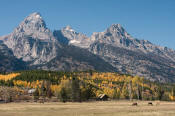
x: 33, y: 46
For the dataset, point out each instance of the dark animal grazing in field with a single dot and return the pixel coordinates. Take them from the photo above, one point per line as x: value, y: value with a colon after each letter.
x: 150, y: 104
x: 134, y: 104
x: 41, y: 101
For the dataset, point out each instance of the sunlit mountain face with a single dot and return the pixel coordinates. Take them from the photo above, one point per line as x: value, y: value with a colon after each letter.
x: 33, y: 46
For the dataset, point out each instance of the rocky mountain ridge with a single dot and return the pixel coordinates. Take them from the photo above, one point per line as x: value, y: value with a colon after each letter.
x: 32, y: 41
x: 36, y: 45
x: 128, y: 54
x: 115, y: 50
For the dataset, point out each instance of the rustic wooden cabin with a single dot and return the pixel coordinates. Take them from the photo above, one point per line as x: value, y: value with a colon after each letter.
x: 102, y: 97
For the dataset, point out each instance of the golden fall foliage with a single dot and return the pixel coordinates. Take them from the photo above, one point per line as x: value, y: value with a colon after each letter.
x: 114, y: 85
x: 172, y: 95
x: 34, y: 84
x: 8, y: 76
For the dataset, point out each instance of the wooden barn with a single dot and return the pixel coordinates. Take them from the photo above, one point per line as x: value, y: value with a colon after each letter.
x: 102, y: 97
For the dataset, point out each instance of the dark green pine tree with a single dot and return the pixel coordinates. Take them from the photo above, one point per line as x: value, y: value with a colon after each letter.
x: 36, y: 94
x: 76, y: 92
x: 63, y: 95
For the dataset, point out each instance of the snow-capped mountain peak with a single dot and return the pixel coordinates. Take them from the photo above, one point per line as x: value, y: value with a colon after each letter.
x: 68, y: 28
x: 34, y: 16
x: 33, y: 43
x: 33, y: 26
x: 33, y: 22
x: 32, y: 40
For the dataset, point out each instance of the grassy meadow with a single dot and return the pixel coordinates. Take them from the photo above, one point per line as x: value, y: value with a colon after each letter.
x: 107, y: 108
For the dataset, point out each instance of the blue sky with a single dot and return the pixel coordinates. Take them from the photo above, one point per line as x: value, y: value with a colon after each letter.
x: 152, y: 20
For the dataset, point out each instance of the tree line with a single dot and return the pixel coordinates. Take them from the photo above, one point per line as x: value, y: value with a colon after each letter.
x: 82, y: 86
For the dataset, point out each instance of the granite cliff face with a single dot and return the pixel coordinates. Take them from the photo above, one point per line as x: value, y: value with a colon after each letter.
x: 33, y: 46
x: 32, y: 41
x: 116, y: 35
x: 130, y: 55
x: 69, y: 36
x: 8, y: 62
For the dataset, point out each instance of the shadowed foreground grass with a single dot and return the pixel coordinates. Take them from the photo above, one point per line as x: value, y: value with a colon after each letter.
x: 109, y: 108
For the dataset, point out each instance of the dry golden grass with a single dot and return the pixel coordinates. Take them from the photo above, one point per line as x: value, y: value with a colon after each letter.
x: 109, y: 108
